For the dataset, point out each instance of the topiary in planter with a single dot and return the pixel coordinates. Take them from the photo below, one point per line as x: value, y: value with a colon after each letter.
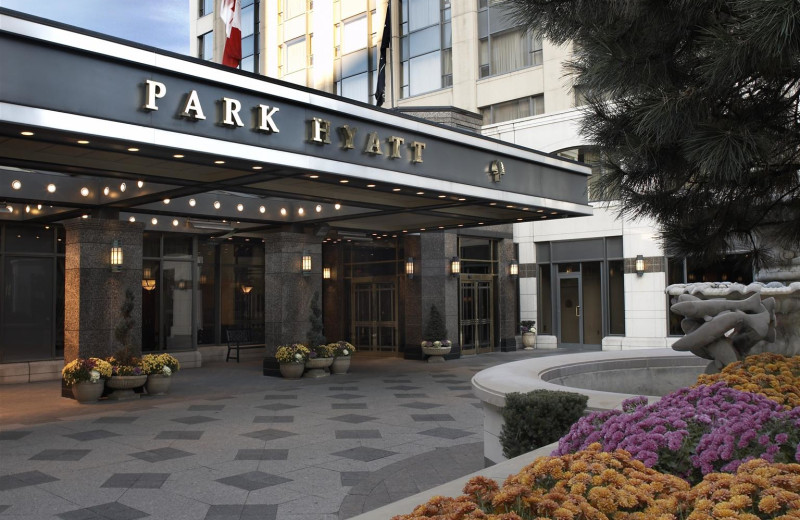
x: 537, y: 418
x: 435, y: 329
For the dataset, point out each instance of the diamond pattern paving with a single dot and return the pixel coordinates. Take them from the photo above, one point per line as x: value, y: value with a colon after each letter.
x: 351, y: 478
x: 420, y: 405
x: 280, y: 396
x: 136, y: 480
x: 402, y: 387
x: 252, y: 454
x: 277, y: 407
x: 349, y: 406
x: 342, y: 388
x: 268, y: 435
x: 195, y: 419
x: 446, y: 433
x: 353, y: 418
x: 364, y: 454
x: 411, y: 396
x: 124, y: 419
x: 71, y: 455
x: 180, y: 435
x: 460, y: 387
x: 358, y: 434
x: 161, y: 454
x: 273, y: 419
x: 347, y: 396
x: 432, y: 417
x: 206, y: 407
x: 253, y: 480
x: 242, y: 512
x: 109, y: 511
x: 28, y: 478
x: 13, y: 435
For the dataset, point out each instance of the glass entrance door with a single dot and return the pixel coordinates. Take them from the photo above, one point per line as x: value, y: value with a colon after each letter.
x: 571, y: 318
x: 475, y: 316
x: 580, y: 304
x: 375, y: 316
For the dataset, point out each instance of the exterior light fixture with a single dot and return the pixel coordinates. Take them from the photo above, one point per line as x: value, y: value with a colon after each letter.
x: 16, y: 184
x: 306, y: 266
x: 410, y: 267
x: 455, y: 267
x: 639, y: 265
x: 116, y: 256
x: 513, y: 269
x: 148, y: 282
x: 247, y: 288
x: 51, y: 188
x: 326, y: 273
x: 85, y: 191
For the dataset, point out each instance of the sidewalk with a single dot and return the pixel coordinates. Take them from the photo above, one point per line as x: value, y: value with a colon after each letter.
x: 229, y: 443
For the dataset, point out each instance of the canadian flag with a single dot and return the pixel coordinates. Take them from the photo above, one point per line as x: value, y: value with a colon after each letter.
x: 231, y: 14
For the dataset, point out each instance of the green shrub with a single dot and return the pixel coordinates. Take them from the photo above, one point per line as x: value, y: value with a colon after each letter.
x: 537, y: 418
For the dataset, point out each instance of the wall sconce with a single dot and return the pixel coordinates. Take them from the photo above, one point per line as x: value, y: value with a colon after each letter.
x: 639, y: 265
x: 326, y: 273
x: 410, y: 267
x: 455, y: 267
x: 148, y: 282
x: 513, y: 269
x: 116, y: 257
x: 306, y: 263
x: 247, y: 288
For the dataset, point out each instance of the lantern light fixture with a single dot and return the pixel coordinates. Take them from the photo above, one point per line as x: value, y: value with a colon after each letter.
x: 326, y: 273
x: 410, y: 267
x: 455, y: 267
x: 306, y: 265
x: 513, y: 269
x: 116, y: 256
x: 639, y: 265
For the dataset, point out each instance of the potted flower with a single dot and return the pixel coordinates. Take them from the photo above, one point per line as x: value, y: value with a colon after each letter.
x: 319, y: 359
x: 86, y: 377
x: 528, y: 330
x: 292, y: 359
x: 436, y: 347
x: 342, y: 351
x: 126, y: 369
x: 159, y: 369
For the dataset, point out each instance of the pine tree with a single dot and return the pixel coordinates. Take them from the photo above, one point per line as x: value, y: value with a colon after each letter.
x: 435, y: 329
x: 693, y: 105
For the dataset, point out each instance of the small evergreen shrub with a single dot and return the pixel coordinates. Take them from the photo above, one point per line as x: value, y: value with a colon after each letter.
x: 537, y: 418
x: 435, y: 329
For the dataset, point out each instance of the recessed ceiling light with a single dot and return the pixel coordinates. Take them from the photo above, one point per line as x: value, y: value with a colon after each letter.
x: 192, y: 202
x: 509, y: 206
x: 554, y: 212
x: 422, y: 229
x: 217, y: 204
x: 318, y: 208
x: 519, y: 220
x: 179, y: 156
x: 313, y: 176
x: 301, y: 211
x: 370, y: 185
x: 493, y: 204
x: 480, y: 223
x: 26, y: 133
x: 39, y: 207
x: 83, y: 141
x: 175, y: 222
x: 123, y: 187
x: 51, y: 188
x: 84, y: 216
x: 240, y: 207
x: 166, y: 201
x: 27, y: 209
x: 539, y: 211
x: 16, y: 184
x: 133, y: 149
x: 283, y: 211
x: 258, y: 167
x: 395, y: 189
x: 462, y: 199
x: 337, y: 206
x: 344, y: 181
x: 262, y: 209
x: 442, y: 196
x: 420, y: 193
x: 154, y: 221
x: 219, y: 162
x: 140, y: 183
x: 106, y: 190
x: 131, y: 219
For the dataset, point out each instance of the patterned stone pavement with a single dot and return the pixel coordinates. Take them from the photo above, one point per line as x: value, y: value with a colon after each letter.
x: 228, y: 443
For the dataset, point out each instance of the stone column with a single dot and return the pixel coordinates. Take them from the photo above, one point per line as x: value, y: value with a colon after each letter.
x: 288, y: 292
x: 506, y: 321
x: 93, y: 294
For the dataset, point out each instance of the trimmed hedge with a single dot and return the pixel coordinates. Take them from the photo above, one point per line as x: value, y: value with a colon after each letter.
x: 538, y: 418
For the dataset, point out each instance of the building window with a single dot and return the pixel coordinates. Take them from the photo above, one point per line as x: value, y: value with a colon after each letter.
x: 591, y: 157
x: 514, y: 109
x: 292, y: 8
x: 206, y: 7
x: 356, y: 68
x: 296, y: 55
x: 504, y: 46
x: 249, y: 36
x: 426, y: 46
x: 205, y: 46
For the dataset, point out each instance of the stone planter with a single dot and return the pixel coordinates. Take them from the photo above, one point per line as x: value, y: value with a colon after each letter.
x: 157, y: 384
x: 292, y: 370
x: 86, y: 392
x: 340, y: 365
x: 436, y: 355
x: 529, y: 340
x: 317, y: 367
x: 123, y: 386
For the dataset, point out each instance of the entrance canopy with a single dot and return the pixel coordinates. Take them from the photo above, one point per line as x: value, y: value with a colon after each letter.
x: 90, y: 125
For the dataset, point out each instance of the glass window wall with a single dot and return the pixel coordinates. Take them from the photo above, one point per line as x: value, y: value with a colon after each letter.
x: 503, y: 45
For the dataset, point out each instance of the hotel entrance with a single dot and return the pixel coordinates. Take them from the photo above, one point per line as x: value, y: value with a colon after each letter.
x: 476, y: 334
x: 374, y: 315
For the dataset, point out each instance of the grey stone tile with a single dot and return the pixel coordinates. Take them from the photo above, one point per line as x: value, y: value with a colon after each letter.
x: 467, y: 396
x: 109, y: 511
x: 364, y: 454
x: 342, y: 388
x: 136, y: 480
x: 242, y: 512
x: 402, y: 387
x: 460, y: 387
x: 13, y: 435
x: 277, y: 407
x: 27, y: 478
x: 358, y: 434
x: 273, y: 419
x: 349, y: 406
x: 446, y: 433
x: 253, y: 480
x: 351, y: 478
x: 180, y: 435
x: 92, y: 435
x: 55, y: 454
x: 123, y: 419
x: 394, y: 381
x: 269, y: 434
x: 411, y: 396
x: 420, y: 405
x: 353, y: 418
x: 265, y: 454
x: 477, y: 405
x: 432, y: 417
x: 346, y: 396
x: 195, y: 419
x: 3, y: 508
x: 206, y: 408
x: 280, y: 396
x: 161, y: 454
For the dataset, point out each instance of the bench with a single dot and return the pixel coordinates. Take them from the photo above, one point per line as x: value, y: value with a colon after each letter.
x: 240, y: 339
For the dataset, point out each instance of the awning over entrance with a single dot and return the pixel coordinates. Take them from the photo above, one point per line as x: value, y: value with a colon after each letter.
x: 89, y: 124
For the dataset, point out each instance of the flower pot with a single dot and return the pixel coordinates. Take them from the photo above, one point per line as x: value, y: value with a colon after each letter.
x: 317, y: 367
x: 87, y: 392
x: 123, y: 386
x: 529, y: 340
x: 341, y: 365
x: 157, y: 384
x: 292, y: 370
x: 436, y: 355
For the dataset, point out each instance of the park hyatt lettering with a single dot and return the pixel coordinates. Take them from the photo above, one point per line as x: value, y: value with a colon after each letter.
x: 319, y: 130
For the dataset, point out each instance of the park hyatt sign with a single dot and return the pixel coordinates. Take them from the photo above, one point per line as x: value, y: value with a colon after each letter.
x: 319, y: 130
